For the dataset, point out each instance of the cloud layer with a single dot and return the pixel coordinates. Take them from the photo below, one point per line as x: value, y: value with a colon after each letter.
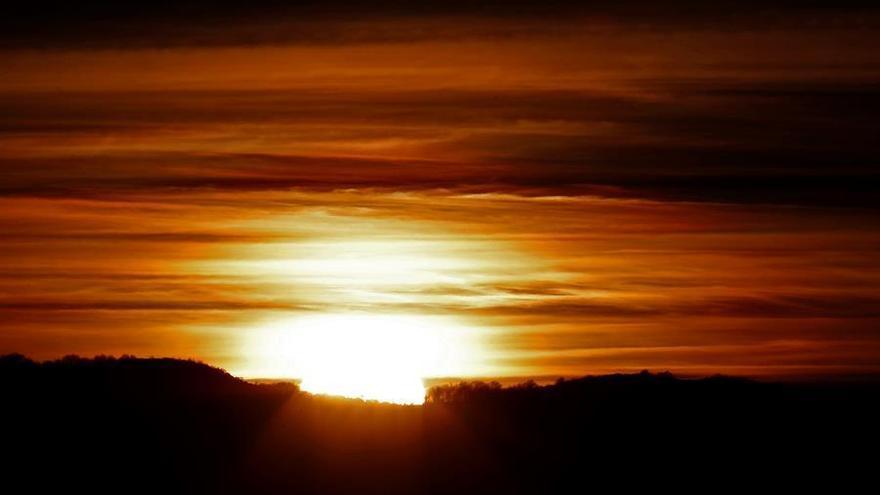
x: 592, y: 189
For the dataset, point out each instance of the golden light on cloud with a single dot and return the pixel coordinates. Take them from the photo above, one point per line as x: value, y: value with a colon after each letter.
x: 361, y: 355
x: 537, y: 285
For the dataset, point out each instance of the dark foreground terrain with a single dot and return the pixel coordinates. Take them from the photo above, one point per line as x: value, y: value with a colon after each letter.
x: 159, y: 425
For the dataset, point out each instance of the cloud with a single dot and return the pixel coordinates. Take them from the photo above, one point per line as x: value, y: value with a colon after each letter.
x: 541, y: 307
x: 707, y: 141
x: 143, y: 306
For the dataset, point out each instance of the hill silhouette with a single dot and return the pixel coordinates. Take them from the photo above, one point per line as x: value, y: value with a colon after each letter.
x: 164, y: 425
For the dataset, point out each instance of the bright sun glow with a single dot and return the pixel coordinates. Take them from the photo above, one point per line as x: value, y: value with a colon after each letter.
x: 380, y: 267
x: 374, y: 357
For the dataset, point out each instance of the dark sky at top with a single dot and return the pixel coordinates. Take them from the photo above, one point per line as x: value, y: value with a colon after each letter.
x: 58, y: 24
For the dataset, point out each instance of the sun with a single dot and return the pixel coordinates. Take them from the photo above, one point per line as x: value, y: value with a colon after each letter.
x: 367, y: 356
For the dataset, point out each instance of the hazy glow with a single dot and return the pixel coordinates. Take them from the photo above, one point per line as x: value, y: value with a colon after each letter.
x: 362, y: 291
x: 368, y: 356
x: 365, y: 263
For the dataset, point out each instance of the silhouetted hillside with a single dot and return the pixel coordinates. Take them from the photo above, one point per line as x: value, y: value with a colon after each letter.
x: 163, y: 425
x: 163, y: 376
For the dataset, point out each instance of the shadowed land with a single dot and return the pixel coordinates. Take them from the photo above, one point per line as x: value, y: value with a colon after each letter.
x: 167, y: 425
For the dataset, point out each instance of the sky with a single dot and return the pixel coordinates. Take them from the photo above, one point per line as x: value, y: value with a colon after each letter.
x: 553, y: 189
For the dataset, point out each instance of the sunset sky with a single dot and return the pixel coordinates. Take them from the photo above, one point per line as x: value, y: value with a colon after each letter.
x: 545, y: 190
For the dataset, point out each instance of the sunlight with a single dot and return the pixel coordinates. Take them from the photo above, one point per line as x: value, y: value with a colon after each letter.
x: 376, y: 305
x: 367, y: 356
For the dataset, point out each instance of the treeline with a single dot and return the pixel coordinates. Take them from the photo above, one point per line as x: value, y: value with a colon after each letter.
x: 166, y: 425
